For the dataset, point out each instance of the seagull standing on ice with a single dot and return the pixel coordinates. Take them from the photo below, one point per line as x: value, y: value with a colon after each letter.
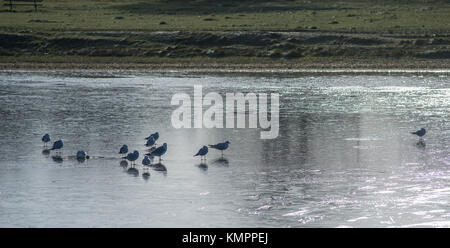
x: 202, y: 152
x: 155, y: 136
x: 81, y: 155
x: 58, y: 145
x: 420, y: 132
x: 158, y: 152
x: 221, y: 146
x: 146, y: 161
x: 123, y: 149
x: 46, y: 139
x: 132, y: 157
x: 150, y: 141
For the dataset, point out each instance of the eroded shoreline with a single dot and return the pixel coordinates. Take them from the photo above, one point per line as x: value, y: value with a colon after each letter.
x: 310, y: 67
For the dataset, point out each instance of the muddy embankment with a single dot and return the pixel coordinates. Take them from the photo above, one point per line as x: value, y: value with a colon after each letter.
x: 275, y: 45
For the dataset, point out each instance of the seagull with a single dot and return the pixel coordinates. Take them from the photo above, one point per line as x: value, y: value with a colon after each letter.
x: 420, y: 132
x: 202, y: 152
x: 146, y: 161
x: 150, y: 141
x: 123, y: 149
x: 158, y: 152
x: 155, y: 136
x: 46, y: 139
x: 57, y: 145
x: 132, y: 156
x: 221, y: 146
x: 82, y: 155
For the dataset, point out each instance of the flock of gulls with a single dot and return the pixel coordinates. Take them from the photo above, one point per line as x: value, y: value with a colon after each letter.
x: 154, y: 151
x: 159, y: 151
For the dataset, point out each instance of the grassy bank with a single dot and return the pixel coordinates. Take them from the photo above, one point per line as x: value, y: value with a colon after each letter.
x: 225, y: 32
x: 419, y: 16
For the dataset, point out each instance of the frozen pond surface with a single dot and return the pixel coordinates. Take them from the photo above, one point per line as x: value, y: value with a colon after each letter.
x: 344, y: 158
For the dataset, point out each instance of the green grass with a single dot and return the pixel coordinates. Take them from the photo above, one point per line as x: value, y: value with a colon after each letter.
x: 349, y: 30
x: 355, y: 16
